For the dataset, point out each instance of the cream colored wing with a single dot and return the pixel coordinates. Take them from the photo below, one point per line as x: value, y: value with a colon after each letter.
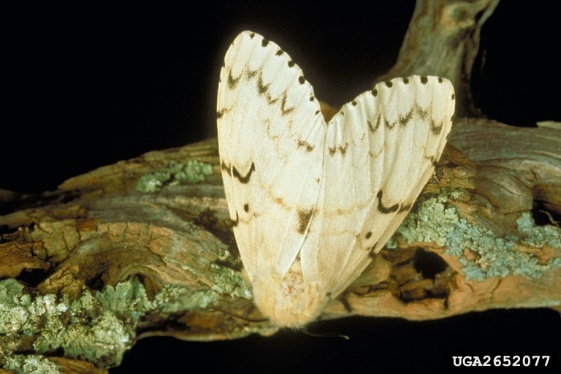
x: 380, y: 151
x: 271, y: 140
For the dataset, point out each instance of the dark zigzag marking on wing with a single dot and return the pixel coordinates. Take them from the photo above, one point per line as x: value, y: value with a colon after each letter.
x: 304, y: 144
x: 339, y: 148
x: 384, y: 209
x: 263, y: 90
x: 233, y: 82
x: 233, y: 172
x: 284, y: 110
x: 404, y: 120
x: 423, y: 114
x: 261, y: 87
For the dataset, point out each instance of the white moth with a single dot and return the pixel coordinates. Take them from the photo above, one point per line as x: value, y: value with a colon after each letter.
x: 312, y: 201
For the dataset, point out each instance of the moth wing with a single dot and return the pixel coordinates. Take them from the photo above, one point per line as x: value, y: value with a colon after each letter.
x: 271, y: 139
x: 380, y: 151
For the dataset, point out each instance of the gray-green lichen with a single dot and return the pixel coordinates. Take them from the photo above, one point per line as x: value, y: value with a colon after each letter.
x: 538, y: 236
x: 190, y: 172
x: 31, y: 364
x: 222, y: 279
x: 230, y: 282
x: 173, y: 299
x: 98, y: 326
x: 437, y: 221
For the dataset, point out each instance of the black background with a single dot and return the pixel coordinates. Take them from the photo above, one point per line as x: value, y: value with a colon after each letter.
x: 88, y: 86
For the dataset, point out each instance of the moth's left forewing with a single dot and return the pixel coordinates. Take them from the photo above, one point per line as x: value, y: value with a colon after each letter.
x: 271, y: 139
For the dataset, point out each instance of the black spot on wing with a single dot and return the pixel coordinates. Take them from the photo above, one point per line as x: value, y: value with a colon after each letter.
x: 291, y: 63
x: 264, y: 43
x: 304, y: 218
x: 246, y: 207
x: 301, y: 79
x: 405, y: 80
x: 374, y: 92
x: 424, y: 80
x: 279, y: 52
x: 368, y: 235
x: 389, y: 84
x: 385, y: 209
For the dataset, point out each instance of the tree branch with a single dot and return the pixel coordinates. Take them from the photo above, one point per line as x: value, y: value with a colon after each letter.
x: 143, y: 247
